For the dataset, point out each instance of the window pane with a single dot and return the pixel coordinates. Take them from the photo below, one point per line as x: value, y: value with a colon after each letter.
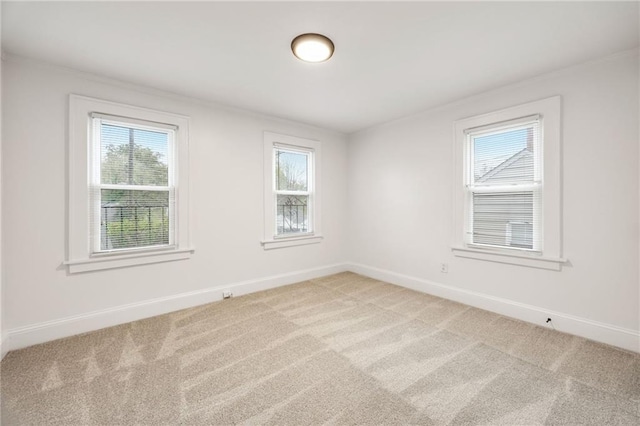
x: 503, y: 219
x: 130, y: 219
x: 133, y: 156
x: 292, y: 171
x: 292, y: 214
x: 505, y: 157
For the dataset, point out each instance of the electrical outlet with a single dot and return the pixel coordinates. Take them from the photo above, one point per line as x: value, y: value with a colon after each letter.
x: 444, y: 268
x: 227, y: 295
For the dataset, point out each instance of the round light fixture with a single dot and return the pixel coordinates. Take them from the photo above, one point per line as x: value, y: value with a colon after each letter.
x: 312, y: 47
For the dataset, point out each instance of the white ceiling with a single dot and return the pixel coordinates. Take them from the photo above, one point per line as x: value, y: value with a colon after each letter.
x: 391, y: 59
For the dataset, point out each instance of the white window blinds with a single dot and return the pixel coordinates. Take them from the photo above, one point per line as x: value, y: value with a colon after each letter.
x: 132, y: 185
x: 504, y: 185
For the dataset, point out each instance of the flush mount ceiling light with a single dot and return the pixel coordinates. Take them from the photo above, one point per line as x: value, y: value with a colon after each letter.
x: 312, y: 47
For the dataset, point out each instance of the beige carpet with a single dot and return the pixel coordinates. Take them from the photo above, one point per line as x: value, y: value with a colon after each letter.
x: 342, y: 349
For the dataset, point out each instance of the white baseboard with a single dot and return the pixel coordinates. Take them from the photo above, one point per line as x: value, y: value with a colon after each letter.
x: 616, y: 336
x: 43, y: 332
x: 3, y: 347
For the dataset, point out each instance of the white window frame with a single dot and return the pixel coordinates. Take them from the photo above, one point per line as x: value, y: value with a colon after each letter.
x: 549, y: 254
x: 535, y: 186
x: 271, y: 239
x: 82, y: 255
x: 95, y: 179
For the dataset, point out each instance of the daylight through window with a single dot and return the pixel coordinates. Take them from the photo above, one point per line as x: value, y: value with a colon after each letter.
x: 132, y: 188
x: 293, y: 190
x: 504, y: 185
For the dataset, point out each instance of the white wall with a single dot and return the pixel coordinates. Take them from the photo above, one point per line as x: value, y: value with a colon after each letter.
x: 400, y: 193
x: 399, y: 178
x: 227, y: 194
x: 3, y: 350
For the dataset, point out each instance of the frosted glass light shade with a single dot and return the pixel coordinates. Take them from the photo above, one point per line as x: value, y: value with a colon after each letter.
x: 312, y: 47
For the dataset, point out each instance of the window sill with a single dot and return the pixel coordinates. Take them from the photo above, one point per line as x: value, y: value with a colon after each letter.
x: 125, y: 260
x: 532, y: 261
x: 291, y: 242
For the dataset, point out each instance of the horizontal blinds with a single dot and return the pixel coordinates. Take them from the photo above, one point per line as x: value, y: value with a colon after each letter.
x: 496, y: 127
x: 505, y: 186
x: 287, y: 147
x: 132, y: 190
x: 133, y: 122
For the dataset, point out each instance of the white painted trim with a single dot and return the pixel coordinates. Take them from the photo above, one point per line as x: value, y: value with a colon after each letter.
x: 4, y: 348
x: 601, y: 332
x: 33, y: 334
x: 290, y: 242
x: 551, y: 263
x: 122, y: 261
x: 78, y: 257
x: 550, y: 109
x: 21, y: 337
x: 314, y: 147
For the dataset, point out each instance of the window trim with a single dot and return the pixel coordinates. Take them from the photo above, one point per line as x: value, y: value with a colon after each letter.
x: 271, y: 240
x: 550, y: 256
x: 80, y: 256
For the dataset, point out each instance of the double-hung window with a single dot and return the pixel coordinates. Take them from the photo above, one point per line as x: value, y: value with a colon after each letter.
x: 507, y: 186
x: 128, y: 186
x: 292, y: 195
x: 132, y: 185
x: 504, y: 185
x: 293, y: 190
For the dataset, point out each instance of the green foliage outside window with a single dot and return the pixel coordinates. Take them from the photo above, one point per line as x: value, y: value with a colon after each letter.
x: 133, y: 218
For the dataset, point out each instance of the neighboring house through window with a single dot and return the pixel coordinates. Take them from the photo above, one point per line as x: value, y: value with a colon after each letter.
x: 507, y: 192
x: 292, y: 196
x: 504, y: 186
x: 128, y: 186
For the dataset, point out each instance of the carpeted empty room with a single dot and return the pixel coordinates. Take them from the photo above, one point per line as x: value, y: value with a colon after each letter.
x: 342, y: 349
x: 319, y: 213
